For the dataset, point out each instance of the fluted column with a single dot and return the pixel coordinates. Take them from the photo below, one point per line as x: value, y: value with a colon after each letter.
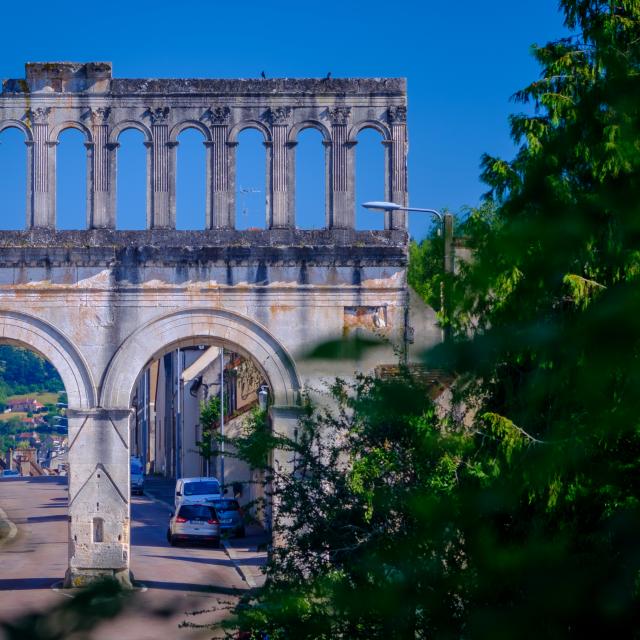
x: 160, y: 178
x: 341, y: 188
x: 101, y: 213
x: 40, y: 200
x: 398, y: 166
x: 291, y: 183
x: 278, y: 117
x: 220, y: 200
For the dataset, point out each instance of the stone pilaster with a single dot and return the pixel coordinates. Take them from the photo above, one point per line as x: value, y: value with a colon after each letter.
x: 398, y: 168
x: 341, y: 171
x: 160, y: 173
x: 99, y: 519
x: 280, y: 217
x: 40, y: 197
x: 101, y: 211
x: 220, y: 196
x: 284, y: 422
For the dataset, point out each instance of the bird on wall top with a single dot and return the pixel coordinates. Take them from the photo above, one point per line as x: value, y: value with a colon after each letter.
x: 263, y: 75
x: 328, y: 76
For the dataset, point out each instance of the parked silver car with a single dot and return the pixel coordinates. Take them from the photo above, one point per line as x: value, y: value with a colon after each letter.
x: 231, y: 516
x: 137, y: 476
x: 195, y: 523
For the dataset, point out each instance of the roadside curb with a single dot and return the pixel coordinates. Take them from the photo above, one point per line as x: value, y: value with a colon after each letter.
x: 233, y: 556
x: 13, y: 530
x: 229, y: 550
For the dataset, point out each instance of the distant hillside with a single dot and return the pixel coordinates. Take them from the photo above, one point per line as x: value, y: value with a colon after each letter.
x: 23, y: 372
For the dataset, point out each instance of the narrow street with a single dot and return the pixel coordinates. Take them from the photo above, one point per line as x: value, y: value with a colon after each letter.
x: 172, y: 580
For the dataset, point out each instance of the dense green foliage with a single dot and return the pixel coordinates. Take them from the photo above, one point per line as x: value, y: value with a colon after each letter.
x: 22, y: 371
x: 209, y: 420
x: 521, y: 516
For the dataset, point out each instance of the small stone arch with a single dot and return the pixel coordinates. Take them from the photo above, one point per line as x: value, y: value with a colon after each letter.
x: 70, y: 124
x: 297, y: 128
x: 189, y: 124
x: 24, y: 330
x: 195, y: 326
x: 114, y: 134
x: 248, y: 124
x: 17, y: 124
x: 378, y: 126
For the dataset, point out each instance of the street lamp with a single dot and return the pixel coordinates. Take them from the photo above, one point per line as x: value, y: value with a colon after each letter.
x: 446, y: 226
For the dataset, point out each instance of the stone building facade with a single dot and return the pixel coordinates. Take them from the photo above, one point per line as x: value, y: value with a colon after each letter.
x: 101, y: 303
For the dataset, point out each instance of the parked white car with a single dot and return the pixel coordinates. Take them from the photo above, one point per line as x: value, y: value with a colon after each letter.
x: 197, y: 491
x: 195, y: 523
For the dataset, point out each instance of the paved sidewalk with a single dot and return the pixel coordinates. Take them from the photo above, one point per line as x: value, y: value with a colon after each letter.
x: 248, y: 554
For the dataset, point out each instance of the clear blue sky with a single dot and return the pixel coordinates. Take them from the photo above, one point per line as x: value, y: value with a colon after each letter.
x: 463, y: 60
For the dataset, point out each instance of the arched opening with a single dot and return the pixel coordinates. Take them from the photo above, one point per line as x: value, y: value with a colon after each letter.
x: 369, y: 178
x: 310, y: 180
x: 191, y: 180
x: 71, y: 180
x: 251, y: 184
x: 13, y: 179
x: 131, y: 187
x: 33, y: 465
x: 149, y: 372
x: 174, y: 425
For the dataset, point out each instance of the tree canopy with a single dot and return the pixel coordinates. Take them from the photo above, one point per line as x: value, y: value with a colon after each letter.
x: 518, y: 514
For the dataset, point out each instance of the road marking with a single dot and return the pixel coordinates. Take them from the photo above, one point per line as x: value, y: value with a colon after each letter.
x: 234, y: 557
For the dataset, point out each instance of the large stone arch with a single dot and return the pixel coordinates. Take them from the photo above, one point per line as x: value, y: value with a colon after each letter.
x: 195, y: 326
x: 23, y: 330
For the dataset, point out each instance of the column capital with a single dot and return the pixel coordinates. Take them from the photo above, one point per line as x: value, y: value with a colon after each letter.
x: 171, y: 144
x: 339, y: 116
x: 158, y: 115
x: 217, y: 116
x: 290, y: 412
x: 278, y: 116
x: 397, y: 114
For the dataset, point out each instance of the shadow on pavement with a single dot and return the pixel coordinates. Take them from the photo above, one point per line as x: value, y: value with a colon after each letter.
x: 200, y: 588
x: 21, y: 584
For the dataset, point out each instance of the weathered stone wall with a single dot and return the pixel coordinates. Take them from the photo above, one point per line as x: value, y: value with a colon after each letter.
x: 58, y: 96
x: 101, y: 303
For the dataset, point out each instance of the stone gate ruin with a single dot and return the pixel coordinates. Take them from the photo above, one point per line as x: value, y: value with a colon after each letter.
x: 100, y: 303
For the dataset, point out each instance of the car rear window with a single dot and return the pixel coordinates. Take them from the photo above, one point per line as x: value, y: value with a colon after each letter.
x: 227, y: 505
x: 201, y: 488
x: 136, y: 468
x: 197, y: 512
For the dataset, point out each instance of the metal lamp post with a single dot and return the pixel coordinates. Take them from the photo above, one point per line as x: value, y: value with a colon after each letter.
x: 446, y: 225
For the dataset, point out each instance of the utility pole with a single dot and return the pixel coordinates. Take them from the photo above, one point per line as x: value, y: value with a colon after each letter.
x: 222, y: 417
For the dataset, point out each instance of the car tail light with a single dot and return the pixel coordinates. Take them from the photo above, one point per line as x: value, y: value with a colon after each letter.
x: 181, y: 519
x: 212, y: 521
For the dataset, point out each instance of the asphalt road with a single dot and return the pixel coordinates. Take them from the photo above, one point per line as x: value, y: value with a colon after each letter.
x: 175, y: 580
